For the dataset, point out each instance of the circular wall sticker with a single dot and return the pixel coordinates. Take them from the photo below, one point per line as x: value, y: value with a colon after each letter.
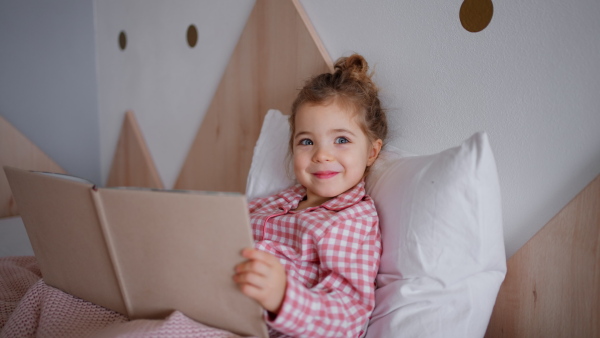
x: 475, y: 15
x: 122, y: 40
x: 192, y: 36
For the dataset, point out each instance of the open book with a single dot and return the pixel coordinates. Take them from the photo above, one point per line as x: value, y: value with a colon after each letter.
x: 140, y: 252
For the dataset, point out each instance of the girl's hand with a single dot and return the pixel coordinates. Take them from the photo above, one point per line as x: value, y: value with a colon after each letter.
x: 262, y: 278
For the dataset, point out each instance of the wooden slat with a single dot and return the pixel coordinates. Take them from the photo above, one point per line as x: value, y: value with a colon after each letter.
x: 552, y: 287
x: 132, y: 164
x: 16, y: 150
x: 313, y: 33
x: 276, y: 53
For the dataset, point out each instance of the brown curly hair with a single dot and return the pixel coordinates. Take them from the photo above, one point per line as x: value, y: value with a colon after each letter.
x: 351, y: 85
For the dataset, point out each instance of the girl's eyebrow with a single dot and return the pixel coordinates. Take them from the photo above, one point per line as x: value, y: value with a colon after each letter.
x: 301, y: 133
x: 342, y: 130
x: 333, y: 131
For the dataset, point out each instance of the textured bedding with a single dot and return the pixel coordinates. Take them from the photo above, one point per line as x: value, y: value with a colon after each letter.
x: 30, y: 308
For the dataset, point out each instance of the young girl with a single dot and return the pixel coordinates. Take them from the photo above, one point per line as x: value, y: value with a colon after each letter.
x: 318, y: 244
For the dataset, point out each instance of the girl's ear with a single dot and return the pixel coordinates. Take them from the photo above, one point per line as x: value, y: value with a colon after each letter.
x: 374, y: 151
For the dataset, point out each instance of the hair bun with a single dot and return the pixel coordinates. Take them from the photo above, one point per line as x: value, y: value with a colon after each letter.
x: 353, y: 67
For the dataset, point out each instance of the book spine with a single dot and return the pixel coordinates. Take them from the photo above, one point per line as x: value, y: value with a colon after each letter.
x: 110, y: 246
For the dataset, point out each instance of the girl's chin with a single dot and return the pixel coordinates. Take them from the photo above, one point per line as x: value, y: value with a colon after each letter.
x: 329, y: 193
x: 326, y: 188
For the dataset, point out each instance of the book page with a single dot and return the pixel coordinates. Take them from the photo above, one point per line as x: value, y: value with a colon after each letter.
x: 62, y: 225
x: 178, y: 251
x: 65, y: 177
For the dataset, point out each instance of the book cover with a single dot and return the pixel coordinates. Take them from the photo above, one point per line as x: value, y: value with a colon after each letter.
x: 141, y: 252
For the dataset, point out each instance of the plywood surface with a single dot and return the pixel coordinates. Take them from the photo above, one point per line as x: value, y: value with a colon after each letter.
x: 552, y: 287
x: 132, y: 164
x: 16, y: 150
x: 276, y: 53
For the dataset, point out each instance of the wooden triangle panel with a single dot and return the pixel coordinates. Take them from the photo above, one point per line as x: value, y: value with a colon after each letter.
x: 277, y: 52
x: 132, y: 164
x: 552, y: 287
x: 18, y: 151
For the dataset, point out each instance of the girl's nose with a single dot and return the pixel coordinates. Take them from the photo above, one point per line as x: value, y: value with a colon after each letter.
x: 322, y: 154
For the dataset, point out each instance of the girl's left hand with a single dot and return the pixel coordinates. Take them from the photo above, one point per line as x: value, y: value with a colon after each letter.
x: 262, y: 277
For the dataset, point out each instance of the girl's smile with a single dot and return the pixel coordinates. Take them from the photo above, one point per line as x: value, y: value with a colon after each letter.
x: 325, y: 174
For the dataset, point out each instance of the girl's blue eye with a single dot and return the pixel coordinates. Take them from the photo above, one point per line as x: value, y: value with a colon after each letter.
x: 305, y: 142
x: 340, y: 140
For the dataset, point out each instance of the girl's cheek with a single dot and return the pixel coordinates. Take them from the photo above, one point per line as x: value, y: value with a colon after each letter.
x: 301, y: 153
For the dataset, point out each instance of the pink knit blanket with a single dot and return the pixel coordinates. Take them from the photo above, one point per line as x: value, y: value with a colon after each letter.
x: 30, y: 308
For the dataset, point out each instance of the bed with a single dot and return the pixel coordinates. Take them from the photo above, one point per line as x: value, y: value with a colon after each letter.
x: 443, y: 271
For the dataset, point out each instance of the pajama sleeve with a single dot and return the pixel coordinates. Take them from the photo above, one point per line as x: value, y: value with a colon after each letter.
x: 342, y: 300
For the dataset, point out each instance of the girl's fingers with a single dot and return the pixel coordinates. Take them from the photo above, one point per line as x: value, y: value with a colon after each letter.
x: 255, y: 266
x: 263, y: 278
x: 262, y: 256
x: 259, y: 292
x: 251, y: 291
x: 250, y: 279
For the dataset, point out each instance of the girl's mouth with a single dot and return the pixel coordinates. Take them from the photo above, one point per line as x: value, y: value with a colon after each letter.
x: 325, y: 174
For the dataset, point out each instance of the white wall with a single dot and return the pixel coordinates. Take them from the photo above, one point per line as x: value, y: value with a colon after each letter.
x: 48, y: 81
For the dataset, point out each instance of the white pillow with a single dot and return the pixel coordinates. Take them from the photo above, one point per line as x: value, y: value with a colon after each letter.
x: 443, y: 252
x: 268, y: 171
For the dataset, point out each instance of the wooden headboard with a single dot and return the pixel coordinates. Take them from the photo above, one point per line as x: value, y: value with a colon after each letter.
x: 18, y: 151
x: 552, y: 287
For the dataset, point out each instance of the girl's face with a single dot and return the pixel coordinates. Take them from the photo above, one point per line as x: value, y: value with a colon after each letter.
x: 330, y: 151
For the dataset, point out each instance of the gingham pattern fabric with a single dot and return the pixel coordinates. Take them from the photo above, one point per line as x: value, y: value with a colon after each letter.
x: 331, y: 255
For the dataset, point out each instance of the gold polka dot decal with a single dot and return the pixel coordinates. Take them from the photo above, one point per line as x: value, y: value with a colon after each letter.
x: 122, y: 40
x: 475, y: 15
x: 192, y: 36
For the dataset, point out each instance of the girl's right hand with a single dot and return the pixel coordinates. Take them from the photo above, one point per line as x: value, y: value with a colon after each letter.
x: 262, y: 277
